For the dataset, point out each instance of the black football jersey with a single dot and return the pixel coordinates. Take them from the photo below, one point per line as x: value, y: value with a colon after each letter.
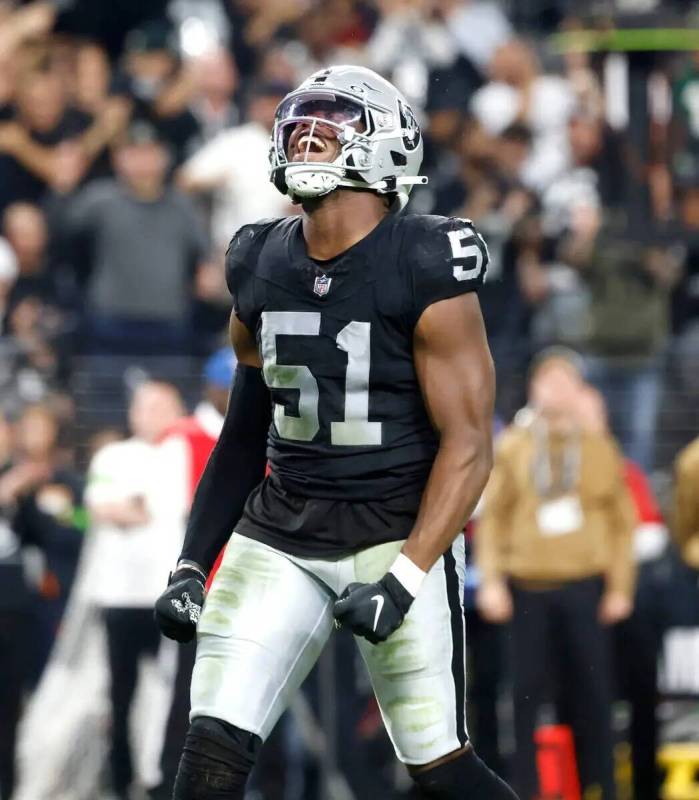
x: 351, y: 445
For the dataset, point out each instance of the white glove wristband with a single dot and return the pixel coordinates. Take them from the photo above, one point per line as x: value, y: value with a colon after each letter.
x: 408, y: 574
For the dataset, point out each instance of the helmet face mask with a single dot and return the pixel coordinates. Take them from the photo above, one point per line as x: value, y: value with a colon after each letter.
x: 345, y: 126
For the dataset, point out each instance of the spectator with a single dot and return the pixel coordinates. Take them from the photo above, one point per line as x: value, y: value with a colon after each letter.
x: 16, y: 620
x: 29, y: 363
x: 24, y: 227
x: 46, y: 144
x: 153, y: 79
x: 91, y: 94
x: 552, y: 282
x: 637, y: 640
x: 30, y: 138
x: 578, y: 68
x: 277, y: 65
x: 493, y: 27
x: 139, y: 245
x: 493, y: 195
x: 37, y: 341
x: 554, y: 549
x: 630, y: 284
x: 8, y: 276
x: 232, y: 162
x: 183, y: 456
x: 255, y: 24
x: 92, y: 78
x: 685, y: 298
x: 407, y: 43
x: 50, y: 513
x: 131, y: 556
x: 487, y: 666
x: 18, y: 27
x: 686, y: 504
x: 331, y: 33
x: 592, y: 179
x: 215, y: 86
x: 36, y: 366
x: 518, y: 92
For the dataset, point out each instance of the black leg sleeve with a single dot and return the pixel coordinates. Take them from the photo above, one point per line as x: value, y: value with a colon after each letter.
x: 235, y: 467
x: 463, y: 777
x: 216, y: 761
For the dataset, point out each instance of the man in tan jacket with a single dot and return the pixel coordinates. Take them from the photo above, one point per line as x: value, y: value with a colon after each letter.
x: 554, y: 548
x: 686, y: 510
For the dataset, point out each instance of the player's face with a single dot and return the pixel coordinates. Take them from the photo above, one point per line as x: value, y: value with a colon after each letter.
x: 313, y: 142
x: 315, y: 137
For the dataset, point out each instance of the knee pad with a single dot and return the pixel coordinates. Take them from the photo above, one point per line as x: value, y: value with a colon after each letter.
x: 216, y: 761
x: 465, y: 776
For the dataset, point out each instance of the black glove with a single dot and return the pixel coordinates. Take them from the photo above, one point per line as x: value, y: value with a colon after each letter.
x: 373, y: 610
x: 178, y: 608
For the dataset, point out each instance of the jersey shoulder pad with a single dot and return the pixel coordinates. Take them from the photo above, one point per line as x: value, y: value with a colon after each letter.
x: 242, y: 258
x: 243, y: 249
x: 447, y: 257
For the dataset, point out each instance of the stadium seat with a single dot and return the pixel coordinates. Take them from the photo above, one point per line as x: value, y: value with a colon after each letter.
x: 681, y: 760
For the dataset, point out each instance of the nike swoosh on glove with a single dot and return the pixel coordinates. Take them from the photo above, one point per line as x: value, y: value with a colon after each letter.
x: 178, y: 608
x: 373, y: 610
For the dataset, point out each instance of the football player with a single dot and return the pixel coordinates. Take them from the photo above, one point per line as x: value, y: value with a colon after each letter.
x: 364, y: 378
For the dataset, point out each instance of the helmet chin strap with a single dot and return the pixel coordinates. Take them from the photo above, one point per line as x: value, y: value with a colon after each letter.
x: 317, y: 179
x: 312, y: 180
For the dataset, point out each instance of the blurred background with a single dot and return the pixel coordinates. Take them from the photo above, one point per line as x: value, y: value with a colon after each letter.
x: 133, y: 143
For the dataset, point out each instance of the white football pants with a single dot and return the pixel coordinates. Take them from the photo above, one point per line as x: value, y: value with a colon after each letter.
x: 269, y: 614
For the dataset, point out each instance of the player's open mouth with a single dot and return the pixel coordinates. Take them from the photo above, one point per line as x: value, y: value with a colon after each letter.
x: 311, y: 147
x: 313, y: 143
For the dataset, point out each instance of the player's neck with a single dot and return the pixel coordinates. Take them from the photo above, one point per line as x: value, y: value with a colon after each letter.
x: 334, y: 223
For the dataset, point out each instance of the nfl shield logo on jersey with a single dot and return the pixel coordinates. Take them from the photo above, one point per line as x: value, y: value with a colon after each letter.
x: 322, y: 285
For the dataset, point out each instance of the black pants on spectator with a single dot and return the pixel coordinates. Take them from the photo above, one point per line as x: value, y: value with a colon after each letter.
x: 636, y: 662
x: 485, y: 676
x: 131, y: 634
x: 14, y: 673
x: 562, y: 653
x: 637, y: 643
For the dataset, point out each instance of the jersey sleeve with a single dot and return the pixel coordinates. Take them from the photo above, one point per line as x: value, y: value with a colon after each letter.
x: 448, y: 257
x: 241, y: 261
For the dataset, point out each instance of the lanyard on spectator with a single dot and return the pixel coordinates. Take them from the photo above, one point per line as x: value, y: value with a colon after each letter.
x: 545, y: 482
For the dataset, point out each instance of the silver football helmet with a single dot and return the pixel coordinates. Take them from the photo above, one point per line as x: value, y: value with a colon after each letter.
x: 379, y: 144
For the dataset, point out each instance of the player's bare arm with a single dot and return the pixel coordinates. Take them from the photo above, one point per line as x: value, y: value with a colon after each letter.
x: 456, y: 374
x: 244, y: 344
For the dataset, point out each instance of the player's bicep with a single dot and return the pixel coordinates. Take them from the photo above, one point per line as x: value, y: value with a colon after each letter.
x: 455, y: 368
x: 244, y: 344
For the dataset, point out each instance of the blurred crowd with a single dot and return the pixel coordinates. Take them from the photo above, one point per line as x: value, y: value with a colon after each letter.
x: 133, y: 143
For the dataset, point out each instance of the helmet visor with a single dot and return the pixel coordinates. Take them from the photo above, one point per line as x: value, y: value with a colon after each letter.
x: 325, y: 116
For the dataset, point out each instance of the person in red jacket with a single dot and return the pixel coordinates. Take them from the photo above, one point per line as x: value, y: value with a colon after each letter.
x: 185, y: 449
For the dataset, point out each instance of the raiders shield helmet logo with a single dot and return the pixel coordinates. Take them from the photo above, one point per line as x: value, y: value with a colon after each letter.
x: 411, y: 129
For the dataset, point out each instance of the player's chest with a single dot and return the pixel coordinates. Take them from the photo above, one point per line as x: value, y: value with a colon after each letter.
x: 337, y: 341
x: 328, y: 308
